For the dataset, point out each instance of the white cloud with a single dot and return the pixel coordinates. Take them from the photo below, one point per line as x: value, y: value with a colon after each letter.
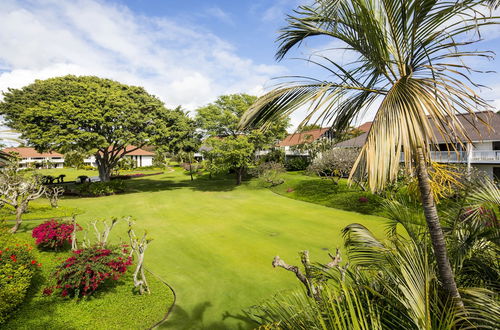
x: 182, y: 64
x: 220, y: 15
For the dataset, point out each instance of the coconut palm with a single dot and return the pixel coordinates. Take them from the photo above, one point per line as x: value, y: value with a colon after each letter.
x: 409, y: 67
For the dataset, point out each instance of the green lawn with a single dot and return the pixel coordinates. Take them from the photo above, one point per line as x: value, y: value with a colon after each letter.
x: 214, y: 242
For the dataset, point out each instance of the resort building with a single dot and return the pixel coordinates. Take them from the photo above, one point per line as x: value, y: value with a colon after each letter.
x: 482, y: 151
x: 290, y: 143
x: 141, y: 157
x: 29, y: 157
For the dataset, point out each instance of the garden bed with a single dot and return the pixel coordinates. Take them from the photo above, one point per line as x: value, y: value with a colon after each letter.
x: 132, y: 176
x: 116, y: 307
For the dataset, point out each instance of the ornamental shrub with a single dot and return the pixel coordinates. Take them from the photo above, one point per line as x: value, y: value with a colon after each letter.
x: 53, y: 234
x: 89, y: 269
x: 94, y: 189
x: 297, y: 163
x: 17, y: 267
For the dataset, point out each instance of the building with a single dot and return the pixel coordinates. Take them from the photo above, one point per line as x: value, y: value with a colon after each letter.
x: 32, y: 158
x: 482, y: 152
x: 141, y: 157
x: 296, y: 139
x: 29, y: 157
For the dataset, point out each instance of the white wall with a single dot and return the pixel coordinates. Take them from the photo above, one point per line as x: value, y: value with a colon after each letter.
x: 487, y: 169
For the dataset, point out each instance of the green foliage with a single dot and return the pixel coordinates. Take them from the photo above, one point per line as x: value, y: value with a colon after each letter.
x: 89, y: 269
x: 74, y: 159
x: 90, y: 114
x: 382, y: 285
x: 334, y: 164
x: 221, y: 118
x: 230, y: 154
x: 118, y: 308
x: 275, y: 155
x: 94, y: 189
x: 270, y: 173
x: 297, y: 163
x: 126, y: 163
x: 17, y: 267
x: 340, y: 196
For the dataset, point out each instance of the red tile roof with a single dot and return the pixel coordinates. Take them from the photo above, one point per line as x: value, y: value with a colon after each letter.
x: 139, y: 152
x: 365, y: 127
x: 26, y: 152
x: 303, y: 137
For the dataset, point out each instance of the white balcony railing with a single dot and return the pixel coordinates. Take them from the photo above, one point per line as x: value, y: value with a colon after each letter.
x: 476, y: 156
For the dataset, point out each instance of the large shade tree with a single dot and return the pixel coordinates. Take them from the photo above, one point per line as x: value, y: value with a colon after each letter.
x: 408, y: 66
x: 89, y: 114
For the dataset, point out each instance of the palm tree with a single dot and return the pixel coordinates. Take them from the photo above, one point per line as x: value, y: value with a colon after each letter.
x: 409, y: 66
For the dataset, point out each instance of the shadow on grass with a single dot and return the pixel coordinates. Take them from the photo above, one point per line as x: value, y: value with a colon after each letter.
x: 182, y: 319
x: 200, y: 183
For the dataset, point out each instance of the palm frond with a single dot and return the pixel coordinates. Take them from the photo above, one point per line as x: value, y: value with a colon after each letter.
x: 410, y: 59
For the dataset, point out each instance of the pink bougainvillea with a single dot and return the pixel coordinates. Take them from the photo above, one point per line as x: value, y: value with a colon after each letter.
x: 87, y: 269
x: 53, y: 234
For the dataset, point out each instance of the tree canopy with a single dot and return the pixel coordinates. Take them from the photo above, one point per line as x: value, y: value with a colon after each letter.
x: 221, y: 118
x: 90, y: 114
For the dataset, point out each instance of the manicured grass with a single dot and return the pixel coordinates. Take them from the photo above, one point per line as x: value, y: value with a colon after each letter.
x: 214, y: 242
x: 325, y: 192
x: 115, y: 308
x: 39, y: 210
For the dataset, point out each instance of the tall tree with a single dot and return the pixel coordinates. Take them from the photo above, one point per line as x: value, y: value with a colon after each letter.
x: 221, y: 118
x: 409, y: 66
x: 90, y: 114
x: 232, y: 153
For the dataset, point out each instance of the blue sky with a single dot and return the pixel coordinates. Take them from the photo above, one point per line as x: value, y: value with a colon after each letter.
x: 186, y: 52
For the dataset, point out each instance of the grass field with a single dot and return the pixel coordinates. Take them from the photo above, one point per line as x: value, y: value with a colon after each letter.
x: 214, y: 242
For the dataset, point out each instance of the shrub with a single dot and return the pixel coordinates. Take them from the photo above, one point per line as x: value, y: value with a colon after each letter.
x: 274, y: 155
x: 270, y: 173
x: 89, y: 269
x: 53, y: 234
x: 362, y: 202
x: 17, y: 267
x: 297, y: 163
x: 95, y: 189
x: 334, y: 164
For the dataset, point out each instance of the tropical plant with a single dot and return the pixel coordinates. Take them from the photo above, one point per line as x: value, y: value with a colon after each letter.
x: 17, y: 267
x: 270, y: 173
x: 409, y: 65
x: 54, y: 234
x: 89, y: 269
x: 334, y: 164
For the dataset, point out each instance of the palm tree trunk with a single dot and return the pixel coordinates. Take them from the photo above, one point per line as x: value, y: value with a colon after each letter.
x: 437, y: 237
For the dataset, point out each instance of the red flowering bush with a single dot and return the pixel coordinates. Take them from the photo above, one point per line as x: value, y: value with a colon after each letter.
x: 17, y: 267
x: 53, y: 234
x: 89, y: 269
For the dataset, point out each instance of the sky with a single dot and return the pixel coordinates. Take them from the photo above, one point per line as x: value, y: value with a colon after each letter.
x: 185, y: 52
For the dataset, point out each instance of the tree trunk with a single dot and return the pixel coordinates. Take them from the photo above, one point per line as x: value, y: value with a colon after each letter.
x: 437, y: 237
x: 19, y: 219
x: 239, y: 175
x: 191, y: 167
x: 104, y: 171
